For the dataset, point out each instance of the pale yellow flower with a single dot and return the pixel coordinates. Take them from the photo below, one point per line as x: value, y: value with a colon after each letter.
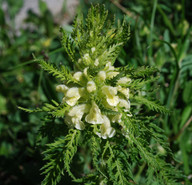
x: 125, y: 104
x: 94, y: 116
x: 106, y: 130
x: 87, y: 58
x: 85, y: 71
x: 110, y: 73
x: 102, y: 75
x: 110, y: 93
x: 72, y: 96
x: 124, y: 80
x: 124, y: 91
x: 75, y: 115
x: 93, y: 49
x: 78, y: 76
x: 96, y: 62
x: 109, y: 67
x: 116, y: 118
x: 62, y: 88
x: 74, y: 122
x: 91, y: 86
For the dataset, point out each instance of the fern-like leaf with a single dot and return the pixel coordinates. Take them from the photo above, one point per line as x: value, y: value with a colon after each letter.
x: 118, y: 168
x: 63, y: 74
x: 59, y: 156
x: 151, y: 104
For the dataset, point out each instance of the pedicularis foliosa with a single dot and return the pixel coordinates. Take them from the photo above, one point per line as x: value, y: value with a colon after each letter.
x: 103, y: 112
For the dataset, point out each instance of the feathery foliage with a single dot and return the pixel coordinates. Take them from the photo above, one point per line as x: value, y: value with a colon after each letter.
x: 59, y: 156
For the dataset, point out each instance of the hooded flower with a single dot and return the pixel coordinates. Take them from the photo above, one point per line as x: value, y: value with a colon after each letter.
x: 116, y: 118
x: 72, y: 96
x: 62, y: 88
x: 124, y: 104
x: 124, y: 91
x: 91, y: 86
x: 106, y: 130
x: 124, y: 80
x: 110, y: 93
x: 94, y: 116
x: 110, y: 70
x: 102, y: 75
x: 75, y: 115
x: 78, y: 75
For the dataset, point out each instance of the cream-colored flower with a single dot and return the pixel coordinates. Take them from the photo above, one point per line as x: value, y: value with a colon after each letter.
x: 78, y: 76
x: 109, y: 67
x: 125, y: 104
x: 106, y: 130
x: 74, y: 122
x: 79, y: 60
x: 116, y: 118
x: 72, y: 96
x: 86, y: 56
x: 76, y: 114
x: 78, y: 110
x: 124, y: 80
x: 94, y: 116
x: 112, y: 74
x: 102, y: 75
x: 62, y: 88
x: 85, y: 71
x: 124, y: 91
x: 91, y: 86
x: 96, y: 62
x: 110, y: 93
x: 93, y: 49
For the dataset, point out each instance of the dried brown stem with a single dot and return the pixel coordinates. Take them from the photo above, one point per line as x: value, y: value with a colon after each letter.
x: 182, y: 129
x: 117, y: 4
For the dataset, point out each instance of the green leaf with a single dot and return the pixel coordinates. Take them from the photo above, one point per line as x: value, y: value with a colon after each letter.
x: 59, y: 156
x: 151, y: 104
x: 185, y: 115
x: 187, y: 98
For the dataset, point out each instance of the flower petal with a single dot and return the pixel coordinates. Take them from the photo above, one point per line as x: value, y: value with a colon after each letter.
x: 72, y: 96
x: 125, y: 104
x: 62, y: 88
x: 106, y: 129
x: 124, y: 80
x: 79, y: 110
x: 102, y: 75
x: 94, y: 116
x: 91, y: 86
x: 113, y: 101
x: 78, y: 75
x: 110, y: 92
x: 124, y: 91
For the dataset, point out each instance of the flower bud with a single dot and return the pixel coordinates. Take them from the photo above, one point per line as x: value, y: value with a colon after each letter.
x: 102, y: 75
x: 62, y: 88
x: 78, y: 75
x: 110, y: 93
x: 124, y: 80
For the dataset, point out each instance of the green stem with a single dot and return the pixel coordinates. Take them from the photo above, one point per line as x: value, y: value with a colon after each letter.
x: 150, y: 52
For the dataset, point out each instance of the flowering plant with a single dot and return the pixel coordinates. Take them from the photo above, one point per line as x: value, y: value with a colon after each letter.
x: 102, y: 108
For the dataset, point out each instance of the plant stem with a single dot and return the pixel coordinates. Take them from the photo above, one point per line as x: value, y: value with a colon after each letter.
x: 182, y: 129
x: 150, y: 52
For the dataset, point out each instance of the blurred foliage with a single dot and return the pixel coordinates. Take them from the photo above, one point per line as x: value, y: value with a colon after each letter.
x: 161, y: 36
